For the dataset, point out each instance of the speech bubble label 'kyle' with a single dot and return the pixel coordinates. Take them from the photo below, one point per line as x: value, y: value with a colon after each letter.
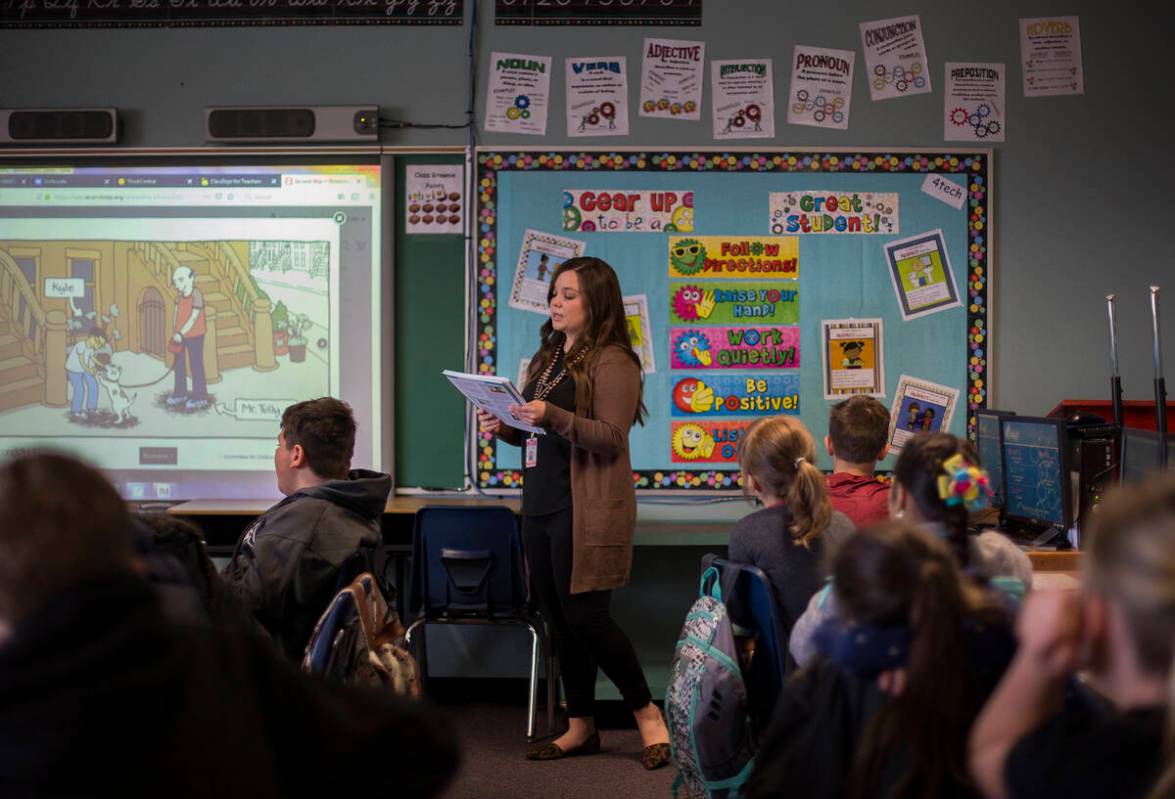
x: 61, y: 287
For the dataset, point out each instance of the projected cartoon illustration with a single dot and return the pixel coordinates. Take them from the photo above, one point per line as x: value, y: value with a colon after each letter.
x: 161, y: 338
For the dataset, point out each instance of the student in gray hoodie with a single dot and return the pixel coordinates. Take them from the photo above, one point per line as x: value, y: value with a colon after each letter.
x: 287, y: 564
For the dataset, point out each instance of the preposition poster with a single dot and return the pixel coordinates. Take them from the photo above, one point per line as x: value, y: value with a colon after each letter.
x: 640, y: 331
x: 434, y: 197
x: 518, y: 93
x: 920, y: 269
x: 1050, y: 56
x: 671, y: 79
x: 974, y: 102
x: 734, y: 256
x: 895, y: 56
x: 919, y: 406
x: 754, y: 346
x: 627, y: 211
x: 821, y: 87
x: 742, y: 99
x: 726, y: 394
x: 706, y: 440
x: 597, y: 96
x: 854, y: 358
x: 540, y: 254
x: 830, y: 212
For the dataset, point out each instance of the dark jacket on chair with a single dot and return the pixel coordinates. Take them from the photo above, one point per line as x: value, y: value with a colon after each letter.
x: 286, y: 565
x: 101, y: 696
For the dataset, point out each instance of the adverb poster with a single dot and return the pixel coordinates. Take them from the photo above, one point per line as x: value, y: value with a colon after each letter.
x: 821, y: 87
x: 726, y: 394
x: 895, y: 57
x: 626, y: 211
x: 735, y: 347
x: 919, y: 406
x: 538, y: 257
x: 597, y: 96
x: 640, y: 332
x: 734, y: 256
x: 742, y: 99
x: 974, y: 102
x: 854, y: 360
x: 671, y: 79
x: 1050, y: 56
x: 830, y: 212
x: 516, y: 101
x: 920, y: 269
x: 433, y: 198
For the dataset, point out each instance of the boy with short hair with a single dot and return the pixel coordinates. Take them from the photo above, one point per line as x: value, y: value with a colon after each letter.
x: 287, y: 564
x: 857, y: 431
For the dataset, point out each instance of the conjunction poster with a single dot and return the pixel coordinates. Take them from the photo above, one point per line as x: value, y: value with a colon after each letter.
x: 895, y: 57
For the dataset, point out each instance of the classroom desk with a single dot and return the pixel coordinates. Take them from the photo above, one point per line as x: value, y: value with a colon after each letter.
x: 395, y: 505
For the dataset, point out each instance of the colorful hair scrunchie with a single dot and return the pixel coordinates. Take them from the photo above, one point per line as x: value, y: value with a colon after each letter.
x: 963, y: 484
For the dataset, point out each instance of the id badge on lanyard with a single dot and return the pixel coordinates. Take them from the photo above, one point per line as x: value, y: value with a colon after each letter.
x: 532, y: 452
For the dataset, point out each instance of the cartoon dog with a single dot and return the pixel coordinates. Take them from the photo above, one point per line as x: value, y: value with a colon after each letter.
x: 110, y: 376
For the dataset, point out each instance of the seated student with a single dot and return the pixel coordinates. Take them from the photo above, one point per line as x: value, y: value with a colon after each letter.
x: 287, y: 563
x: 856, y: 441
x: 792, y: 538
x: 1120, y: 629
x: 920, y: 497
x: 101, y: 695
x: 887, y: 712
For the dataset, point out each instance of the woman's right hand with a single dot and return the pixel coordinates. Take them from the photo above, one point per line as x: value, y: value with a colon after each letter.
x: 488, y: 422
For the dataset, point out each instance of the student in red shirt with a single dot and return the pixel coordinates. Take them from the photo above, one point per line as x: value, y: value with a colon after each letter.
x: 856, y: 440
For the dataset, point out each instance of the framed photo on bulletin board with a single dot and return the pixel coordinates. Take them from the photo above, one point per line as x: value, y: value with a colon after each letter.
x: 775, y: 282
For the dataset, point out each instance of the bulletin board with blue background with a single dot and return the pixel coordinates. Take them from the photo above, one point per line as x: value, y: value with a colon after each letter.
x: 755, y: 283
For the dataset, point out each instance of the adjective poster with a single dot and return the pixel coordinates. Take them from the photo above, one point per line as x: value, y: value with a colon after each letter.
x: 734, y: 256
x: 538, y: 258
x: 671, y: 79
x: 827, y: 211
x: 920, y: 269
x: 627, y: 211
x: 597, y: 96
x: 895, y: 56
x: 433, y: 196
x: 1050, y: 54
x: 742, y: 99
x: 973, y: 104
x: 736, y: 395
x: 821, y: 87
x: 919, y: 406
x: 520, y: 86
x: 854, y: 360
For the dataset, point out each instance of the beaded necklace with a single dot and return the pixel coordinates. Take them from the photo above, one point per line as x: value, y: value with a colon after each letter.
x: 546, y: 384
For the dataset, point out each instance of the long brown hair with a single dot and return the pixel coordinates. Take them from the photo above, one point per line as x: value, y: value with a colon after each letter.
x: 605, y: 326
x: 917, y: 471
x: 1130, y: 560
x: 771, y: 452
x: 899, y: 574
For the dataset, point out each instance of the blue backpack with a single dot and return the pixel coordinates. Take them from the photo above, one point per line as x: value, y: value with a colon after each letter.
x: 710, y: 732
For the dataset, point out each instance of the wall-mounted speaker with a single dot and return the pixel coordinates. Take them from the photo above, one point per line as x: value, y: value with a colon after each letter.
x: 59, y: 126
x: 325, y: 123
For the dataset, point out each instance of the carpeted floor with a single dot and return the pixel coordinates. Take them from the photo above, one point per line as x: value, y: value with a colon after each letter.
x: 493, y: 732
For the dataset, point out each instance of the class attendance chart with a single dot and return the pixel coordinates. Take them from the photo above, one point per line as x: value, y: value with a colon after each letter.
x: 742, y: 256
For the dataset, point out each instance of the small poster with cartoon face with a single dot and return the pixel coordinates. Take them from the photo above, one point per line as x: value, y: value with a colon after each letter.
x: 853, y: 358
x: 706, y: 441
x: 541, y: 253
x: 919, y: 406
x: 920, y: 269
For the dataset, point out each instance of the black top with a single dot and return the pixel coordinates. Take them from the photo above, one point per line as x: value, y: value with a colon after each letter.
x: 1081, y: 752
x: 547, y: 487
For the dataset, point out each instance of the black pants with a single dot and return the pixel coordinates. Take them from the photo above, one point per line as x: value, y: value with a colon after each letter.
x: 586, y: 635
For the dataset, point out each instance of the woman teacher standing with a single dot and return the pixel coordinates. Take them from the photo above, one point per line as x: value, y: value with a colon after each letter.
x: 578, y: 503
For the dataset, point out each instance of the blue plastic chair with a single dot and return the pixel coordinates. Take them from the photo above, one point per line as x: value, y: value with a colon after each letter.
x: 752, y: 606
x: 468, y: 568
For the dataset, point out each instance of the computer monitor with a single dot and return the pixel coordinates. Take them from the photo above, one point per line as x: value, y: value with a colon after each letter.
x: 1036, y: 471
x: 990, y: 444
x: 263, y: 277
x: 1141, y: 450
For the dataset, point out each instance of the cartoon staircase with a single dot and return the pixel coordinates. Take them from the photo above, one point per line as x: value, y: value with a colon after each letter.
x: 20, y: 381
x: 233, y: 348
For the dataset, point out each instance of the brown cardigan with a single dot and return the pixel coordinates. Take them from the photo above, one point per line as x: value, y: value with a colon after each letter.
x: 603, y: 502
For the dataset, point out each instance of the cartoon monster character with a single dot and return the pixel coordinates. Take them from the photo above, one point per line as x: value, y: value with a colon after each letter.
x: 691, y: 442
x: 687, y: 257
x: 691, y: 303
x: 692, y: 348
x: 693, y: 396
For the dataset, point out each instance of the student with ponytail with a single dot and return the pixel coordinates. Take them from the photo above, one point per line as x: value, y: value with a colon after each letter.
x: 908, y: 665
x: 793, y: 536
x: 1039, y: 738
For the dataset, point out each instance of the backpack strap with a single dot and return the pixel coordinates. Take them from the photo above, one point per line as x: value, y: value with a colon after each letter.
x: 718, y: 585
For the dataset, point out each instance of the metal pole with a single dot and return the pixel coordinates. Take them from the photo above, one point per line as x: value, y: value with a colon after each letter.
x: 1160, y: 384
x: 1115, y: 378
